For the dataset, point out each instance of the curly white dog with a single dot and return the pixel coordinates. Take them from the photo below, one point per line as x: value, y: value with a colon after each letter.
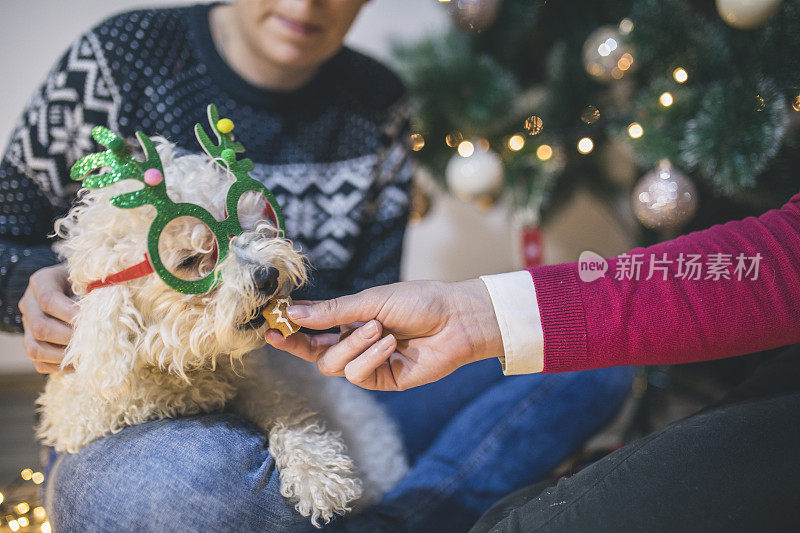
x: 143, y: 351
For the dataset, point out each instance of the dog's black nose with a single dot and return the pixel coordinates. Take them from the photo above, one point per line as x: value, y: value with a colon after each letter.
x: 266, y: 279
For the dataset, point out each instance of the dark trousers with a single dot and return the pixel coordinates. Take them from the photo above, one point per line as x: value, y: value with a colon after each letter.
x: 734, y: 466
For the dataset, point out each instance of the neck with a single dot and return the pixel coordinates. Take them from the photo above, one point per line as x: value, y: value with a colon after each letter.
x: 246, y: 61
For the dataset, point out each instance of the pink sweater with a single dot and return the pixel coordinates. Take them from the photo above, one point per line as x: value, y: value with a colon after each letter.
x: 612, y: 321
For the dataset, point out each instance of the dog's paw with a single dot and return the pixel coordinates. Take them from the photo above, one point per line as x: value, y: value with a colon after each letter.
x: 316, y: 473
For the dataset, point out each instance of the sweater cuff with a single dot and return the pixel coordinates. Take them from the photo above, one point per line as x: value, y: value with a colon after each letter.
x: 563, y: 318
x: 16, y: 266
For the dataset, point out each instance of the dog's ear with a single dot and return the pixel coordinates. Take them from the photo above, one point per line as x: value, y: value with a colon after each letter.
x: 105, y: 342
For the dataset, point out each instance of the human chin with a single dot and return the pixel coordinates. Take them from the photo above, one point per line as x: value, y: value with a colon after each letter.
x: 293, y: 55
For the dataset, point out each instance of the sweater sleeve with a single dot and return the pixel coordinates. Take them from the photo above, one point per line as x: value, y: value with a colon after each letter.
x: 53, y: 132
x: 725, y: 291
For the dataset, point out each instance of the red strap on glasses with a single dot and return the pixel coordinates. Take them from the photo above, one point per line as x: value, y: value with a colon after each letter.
x: 139, y: 270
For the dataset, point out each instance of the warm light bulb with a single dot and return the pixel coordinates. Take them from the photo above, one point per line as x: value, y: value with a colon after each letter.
x: 37, y: 477
x: 26, y: 474
x: 46, y: 527
x: 23, y: 521
x: 635, y: 130
x: 680, y: 75
x: 544, y: 152
x: 665, y: 99
x: 465, y: 149
x: 516, y: 142
x: 13, y: 525
x: 585, y: 145
x: 23, y: 508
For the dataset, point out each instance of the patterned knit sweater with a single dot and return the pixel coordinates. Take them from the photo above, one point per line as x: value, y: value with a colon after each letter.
x: 333, y: 152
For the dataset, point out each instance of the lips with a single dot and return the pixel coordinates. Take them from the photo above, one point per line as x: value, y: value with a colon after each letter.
x: 296, y: 26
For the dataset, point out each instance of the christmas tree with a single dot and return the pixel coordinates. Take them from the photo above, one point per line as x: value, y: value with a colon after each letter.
x: 529, y: 98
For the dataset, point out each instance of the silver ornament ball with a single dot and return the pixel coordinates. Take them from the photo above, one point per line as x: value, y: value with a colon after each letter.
x: 474, y: 15
x: 665, y: 198
x: 478, y: 174
x: 606, y: 56
x: 747, y: 14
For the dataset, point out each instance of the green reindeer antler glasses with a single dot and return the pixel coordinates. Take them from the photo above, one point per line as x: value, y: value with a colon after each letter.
x: 123, y: 166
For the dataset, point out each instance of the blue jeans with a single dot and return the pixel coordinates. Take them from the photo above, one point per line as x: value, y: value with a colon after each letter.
x: 472, y: 438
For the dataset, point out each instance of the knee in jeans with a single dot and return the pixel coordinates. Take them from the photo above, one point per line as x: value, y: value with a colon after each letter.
x: 213, y: 471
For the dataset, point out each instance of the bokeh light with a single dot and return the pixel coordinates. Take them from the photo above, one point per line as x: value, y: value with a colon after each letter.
x: 465, y: 149
x: 544, y: 152
x: 680, y: 75
x: 516, y: 142
x: 665, y: 99
x: 635, y: 130
x: 585, y: 145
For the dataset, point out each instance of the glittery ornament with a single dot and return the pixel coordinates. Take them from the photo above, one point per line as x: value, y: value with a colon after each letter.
x: 606, y: 55
x: 122, y: 166
x: 478, y: 174
x: 534, y: 125
x: 474, y: 15
x: 747, y: 14
x: 664, y: 198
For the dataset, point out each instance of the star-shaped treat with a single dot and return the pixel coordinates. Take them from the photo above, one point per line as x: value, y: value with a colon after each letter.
x: 276, y: 316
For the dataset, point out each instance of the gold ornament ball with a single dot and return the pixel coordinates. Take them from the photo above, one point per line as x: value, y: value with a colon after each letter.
x: 534, y: 125
x: 747, y: 14
x: 665, y: 198
x: 606, y: 56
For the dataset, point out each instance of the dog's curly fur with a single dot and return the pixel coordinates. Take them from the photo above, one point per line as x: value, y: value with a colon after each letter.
x: 143, y: 351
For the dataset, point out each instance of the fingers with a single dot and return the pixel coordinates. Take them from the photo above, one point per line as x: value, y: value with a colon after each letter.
x: 46, y: 368
x: 42, y: 352
x: 44, y: 328
x: 334, y: 359
x: 304, y: 346
x: 327, y: 314
x: 370, y: 367
x: 56, y: 304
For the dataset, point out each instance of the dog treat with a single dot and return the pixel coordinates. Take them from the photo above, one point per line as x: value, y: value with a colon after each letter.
x: 276, y: 316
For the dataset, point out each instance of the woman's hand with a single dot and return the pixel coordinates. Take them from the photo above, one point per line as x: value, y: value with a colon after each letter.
x: 405, y: 335
x: 47, y: 312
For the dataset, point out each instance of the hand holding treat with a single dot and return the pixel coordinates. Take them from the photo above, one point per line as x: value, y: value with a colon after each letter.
x: 276, y: 316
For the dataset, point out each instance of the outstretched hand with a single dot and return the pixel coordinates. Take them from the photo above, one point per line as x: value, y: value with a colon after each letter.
x: 399, y: 336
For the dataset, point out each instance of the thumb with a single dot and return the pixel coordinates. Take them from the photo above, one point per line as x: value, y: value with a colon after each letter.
x: 326, y: 314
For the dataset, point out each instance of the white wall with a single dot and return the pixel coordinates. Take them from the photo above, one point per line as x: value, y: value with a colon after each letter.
x: 455, y: 241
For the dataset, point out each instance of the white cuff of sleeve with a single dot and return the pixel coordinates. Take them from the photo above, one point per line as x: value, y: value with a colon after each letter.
x: 514, y: 300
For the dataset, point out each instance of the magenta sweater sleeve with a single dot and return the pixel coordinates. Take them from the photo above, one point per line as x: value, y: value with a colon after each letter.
x: 617, y: 320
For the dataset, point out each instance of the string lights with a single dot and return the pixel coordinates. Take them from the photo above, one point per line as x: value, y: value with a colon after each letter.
x: 19, y: 508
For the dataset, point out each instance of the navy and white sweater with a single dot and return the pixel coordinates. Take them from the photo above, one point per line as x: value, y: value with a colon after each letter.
x: 333, y: 152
